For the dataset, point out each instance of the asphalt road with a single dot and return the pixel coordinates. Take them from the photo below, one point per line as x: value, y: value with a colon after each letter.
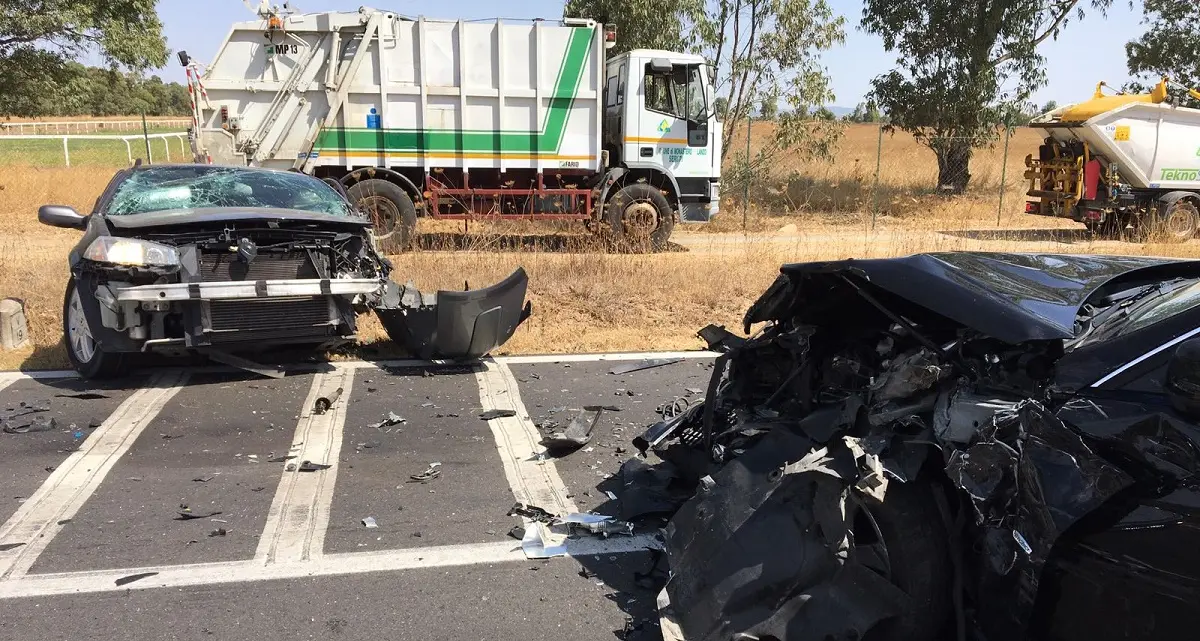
x: 174, y: 504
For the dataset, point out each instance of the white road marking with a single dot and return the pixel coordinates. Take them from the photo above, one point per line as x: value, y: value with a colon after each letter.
x: 299, y: 515
x: 178, y: 576
x: 531, y: 475
x: 8, y: 378
x: 71, y: 484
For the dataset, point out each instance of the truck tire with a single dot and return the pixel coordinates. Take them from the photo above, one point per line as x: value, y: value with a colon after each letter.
x: 1174, y: 222
x: 391, y: 210
x: 87, y: 356
x: 640, y: 217
x: 911, y: 528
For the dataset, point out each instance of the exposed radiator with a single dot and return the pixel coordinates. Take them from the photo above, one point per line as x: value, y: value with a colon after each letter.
x: 271, y: 314
x: 266, y: 266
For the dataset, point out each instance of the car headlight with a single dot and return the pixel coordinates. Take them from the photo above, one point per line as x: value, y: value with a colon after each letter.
x: 131, y: 251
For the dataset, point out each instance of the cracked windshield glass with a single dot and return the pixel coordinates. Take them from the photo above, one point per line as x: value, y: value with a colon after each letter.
x: 186, y: 188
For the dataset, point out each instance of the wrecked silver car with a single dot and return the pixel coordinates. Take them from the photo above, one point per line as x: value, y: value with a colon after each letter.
x: 959, y: 446
x: 221, y: 260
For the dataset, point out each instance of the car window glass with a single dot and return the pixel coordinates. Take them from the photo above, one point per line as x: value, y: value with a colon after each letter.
x: 187, y: 187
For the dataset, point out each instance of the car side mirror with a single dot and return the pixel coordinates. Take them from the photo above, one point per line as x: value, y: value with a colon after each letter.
x: 1183, y: 378
x: 61, y: 216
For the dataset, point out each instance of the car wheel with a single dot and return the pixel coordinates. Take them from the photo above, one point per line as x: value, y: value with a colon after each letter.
x: 87, y: 356
x: 640, y: 216
x: 903, y: 539
x: 391, y: 209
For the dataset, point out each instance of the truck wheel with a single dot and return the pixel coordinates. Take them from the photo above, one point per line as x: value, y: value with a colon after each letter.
x: 391, y: 210
x: 1176, y: 222
x: 86, y: 355
x: 640, y: 215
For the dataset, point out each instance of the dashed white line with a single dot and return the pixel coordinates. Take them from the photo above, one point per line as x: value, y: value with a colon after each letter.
x: 532, y: 477
x: 299, y: 515
x: 588, y: 358
x: 70, y: 485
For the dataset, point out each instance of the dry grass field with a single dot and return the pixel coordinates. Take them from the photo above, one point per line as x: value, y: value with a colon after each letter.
x: 589, y: 300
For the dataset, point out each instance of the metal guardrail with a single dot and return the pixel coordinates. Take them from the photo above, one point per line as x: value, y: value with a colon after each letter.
x: 85, y: 126
x: 128, y: 140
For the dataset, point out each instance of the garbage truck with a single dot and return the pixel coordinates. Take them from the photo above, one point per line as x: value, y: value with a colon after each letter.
x: 1120, y: 162
x: 459, y: 119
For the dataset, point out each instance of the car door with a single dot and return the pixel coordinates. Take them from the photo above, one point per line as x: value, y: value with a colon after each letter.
x: 1131, y: 570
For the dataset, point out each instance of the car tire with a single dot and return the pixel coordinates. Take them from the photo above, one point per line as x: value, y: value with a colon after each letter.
x: 86, y: 355
x: 391, y: 209
x: 640, y: 216
x: 911, y: 527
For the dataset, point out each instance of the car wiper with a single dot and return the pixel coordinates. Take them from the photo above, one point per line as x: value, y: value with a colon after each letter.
x: 1125, y: 308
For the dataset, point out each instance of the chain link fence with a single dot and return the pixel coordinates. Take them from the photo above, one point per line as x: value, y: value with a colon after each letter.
x: 877, y: 177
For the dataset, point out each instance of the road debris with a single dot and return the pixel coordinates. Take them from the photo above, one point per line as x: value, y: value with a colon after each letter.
x: 603, y: 526
x: 650, y: 489
x: 126, y: 580
x: 531, y: 512
x: 83, y: 396
x: 281, y: 459
x: 31, y: 425
x: 494, y: 414
x: 577, y: 434
x: 638, y: 366
x: 430, y: 473
x: 4, y: 547
x: 369, y: 522
x: 187, y: 514
x: 391, y: 419
x: 309, y: 466
x: 323, y: 403
x: 218, y: 532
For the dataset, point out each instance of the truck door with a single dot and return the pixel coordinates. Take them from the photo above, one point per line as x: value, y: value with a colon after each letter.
x: 674, y: 131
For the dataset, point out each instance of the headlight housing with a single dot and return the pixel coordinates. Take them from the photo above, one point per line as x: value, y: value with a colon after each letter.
x: 131, y: 251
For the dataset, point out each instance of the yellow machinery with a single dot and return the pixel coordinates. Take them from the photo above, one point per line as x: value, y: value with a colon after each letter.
x: 1120, y: 160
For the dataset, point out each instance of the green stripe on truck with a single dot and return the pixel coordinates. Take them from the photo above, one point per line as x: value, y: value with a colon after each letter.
x: 546, y: 141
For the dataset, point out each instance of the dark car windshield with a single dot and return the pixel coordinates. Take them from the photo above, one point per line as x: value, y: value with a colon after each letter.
x: 185, y: 187
x: 1156, y: 303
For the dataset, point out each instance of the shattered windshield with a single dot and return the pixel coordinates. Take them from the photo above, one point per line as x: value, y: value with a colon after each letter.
x: 186, y: 187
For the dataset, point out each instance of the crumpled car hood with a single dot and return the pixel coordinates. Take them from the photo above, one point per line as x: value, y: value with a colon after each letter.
x: 1011, y: 297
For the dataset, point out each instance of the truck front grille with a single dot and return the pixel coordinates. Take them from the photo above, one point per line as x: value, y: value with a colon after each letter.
x: 266, y: 266
x: 283, y: 314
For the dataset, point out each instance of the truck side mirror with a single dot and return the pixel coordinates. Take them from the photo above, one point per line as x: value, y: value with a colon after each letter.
x: 1183, y: 378
x: 660, y: 65
x: 61, y: 216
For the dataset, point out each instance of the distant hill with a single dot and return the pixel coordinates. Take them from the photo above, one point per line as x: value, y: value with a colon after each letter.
x: 840, y: 111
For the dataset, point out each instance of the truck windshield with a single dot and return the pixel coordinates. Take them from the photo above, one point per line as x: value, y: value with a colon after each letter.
x: 202, y: 187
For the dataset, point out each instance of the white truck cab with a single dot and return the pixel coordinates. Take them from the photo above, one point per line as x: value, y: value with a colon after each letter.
x: 659, y: 115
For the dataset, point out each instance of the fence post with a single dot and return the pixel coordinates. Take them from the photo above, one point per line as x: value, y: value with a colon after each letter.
x: 746, y: 189
x: 1003, y: 174
x: 146, y: 136
x: 875, y: 187
x: 66, y: 152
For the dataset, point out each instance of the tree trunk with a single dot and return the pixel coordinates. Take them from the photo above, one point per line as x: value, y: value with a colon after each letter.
x: 954, y: 160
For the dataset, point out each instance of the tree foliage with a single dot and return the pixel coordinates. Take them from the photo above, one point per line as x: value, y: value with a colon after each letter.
x: 641, y: 24
x: 76, y: 90
x: 865, y: 112
x: 962, y: 71
x: 39, y: 37
x: 1170, y: 47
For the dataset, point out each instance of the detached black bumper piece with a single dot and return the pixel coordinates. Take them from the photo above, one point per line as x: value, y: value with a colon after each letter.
x: 455, y: 325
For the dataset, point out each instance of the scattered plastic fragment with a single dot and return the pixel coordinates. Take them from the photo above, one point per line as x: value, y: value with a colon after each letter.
x: 392, y: 419
x: 369, y: 522
x: 281, y: 459
x: 4, y: 547
x: 204, y: 479
x: 577, y: 434
x: 309, y: 466
x: 430, y: 473
x: 323, y: 403
x: 186, y: 514
x: 218, y: 532
x: 517, y: 532
x: 641, y: 365
x: 493, y: 414
x: 35, y: 424
x: 604, y: 526
x: 125, y: 580
x: 531, y: 512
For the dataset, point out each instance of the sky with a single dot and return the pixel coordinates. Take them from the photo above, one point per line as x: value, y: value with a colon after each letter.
x: 1087, y: 52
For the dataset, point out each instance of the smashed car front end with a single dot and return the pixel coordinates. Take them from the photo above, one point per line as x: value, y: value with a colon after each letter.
x: 887, y: 458
x: 225, y: 282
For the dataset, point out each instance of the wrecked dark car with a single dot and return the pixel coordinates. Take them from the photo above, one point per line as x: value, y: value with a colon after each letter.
x: 227, y: 260
x: 946, y: 446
